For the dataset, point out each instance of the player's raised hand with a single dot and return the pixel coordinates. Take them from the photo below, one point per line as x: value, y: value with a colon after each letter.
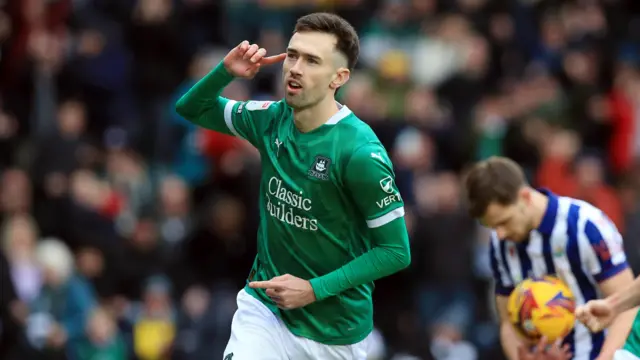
x: 597, y: 315
x: 246, y: 59
x: 287, y: 291
x: 545, y: 351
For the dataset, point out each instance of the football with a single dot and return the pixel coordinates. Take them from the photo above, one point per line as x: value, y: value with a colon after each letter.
x: 542, y: 307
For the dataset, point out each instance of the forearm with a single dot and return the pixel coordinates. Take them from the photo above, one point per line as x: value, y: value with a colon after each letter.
x: 627, y: 298
x: 617, y: 334
x: 202, y: 104
x: 509, y: 340
x: 383, y: 260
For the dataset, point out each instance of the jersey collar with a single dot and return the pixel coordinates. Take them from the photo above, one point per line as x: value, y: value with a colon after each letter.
x: 549, y: 218
x: 341, y: 114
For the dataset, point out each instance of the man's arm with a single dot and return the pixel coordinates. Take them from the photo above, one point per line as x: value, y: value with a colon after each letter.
x: 608, y: 264
x: 619, y: 329
x: 371, y: 182
x: 389, y: 255
x: 503, y: 287
x: 509, y: 339
x: 204, y: 106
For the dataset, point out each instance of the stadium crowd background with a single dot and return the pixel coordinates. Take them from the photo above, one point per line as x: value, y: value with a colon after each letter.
x: 160, y: 217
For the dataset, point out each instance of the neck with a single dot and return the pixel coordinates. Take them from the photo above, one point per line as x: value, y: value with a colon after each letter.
x: 539, y: 203
x: 313, y: 117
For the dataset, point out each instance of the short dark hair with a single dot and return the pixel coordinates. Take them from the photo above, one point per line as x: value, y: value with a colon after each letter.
x: 495, y: 180
x: 348, y: 42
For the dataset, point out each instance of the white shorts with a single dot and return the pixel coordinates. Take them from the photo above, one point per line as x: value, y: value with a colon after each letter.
x: 257, y: 334
x: 624, y: 355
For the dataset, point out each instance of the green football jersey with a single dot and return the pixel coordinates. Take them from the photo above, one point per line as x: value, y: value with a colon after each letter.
x: 330, y: 211
x: 632, y: 344
x: 311, y: 220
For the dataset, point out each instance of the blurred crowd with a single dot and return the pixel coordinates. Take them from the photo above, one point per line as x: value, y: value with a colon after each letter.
x: 126, y: 231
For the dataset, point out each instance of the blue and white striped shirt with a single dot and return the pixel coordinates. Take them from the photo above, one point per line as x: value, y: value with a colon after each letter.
x: 576, y: 242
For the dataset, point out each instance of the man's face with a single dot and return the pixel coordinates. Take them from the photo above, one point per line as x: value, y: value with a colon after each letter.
x: 511, y: 222
x: 312, y: 64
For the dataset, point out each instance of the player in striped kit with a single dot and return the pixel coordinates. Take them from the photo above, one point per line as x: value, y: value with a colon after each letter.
x: 536, y: 233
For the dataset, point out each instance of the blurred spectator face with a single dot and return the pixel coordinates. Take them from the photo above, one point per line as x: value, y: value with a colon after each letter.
x: 316, y: 67
x: 361, y: 97
x: 448, y: 192
x: 413, y: 150
x: 358, y: 94
x: 157, y: 299
x: 87, y: 190
x: 145, y: 236
x: 56, y: 261
x: 203, y: 62
x: 562, y: 145
x: 15, y: 191
x: 589, y: 172
x: 71, y: 118
x: 394, y: 12
x: 196, y: 302
x: 553, y: 35
x: 453, y: 28
x: 423, y: 7
x: 153, y: 10
x: 123, y: 166
x: 580, y: 67
x: 470, y: 6
x: 424, y: 187
x: 501, y: 27
x: 90, y: 262
x: 5, y: 27
x: 228, y: 215
x: 8, y: 124
x: 174, y: 196
x: 101, y: 327
x: 20, y: 235
x: 477, y: 56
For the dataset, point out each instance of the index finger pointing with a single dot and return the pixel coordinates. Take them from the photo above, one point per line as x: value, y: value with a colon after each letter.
x: 265, y: 285
x: 270, y: 60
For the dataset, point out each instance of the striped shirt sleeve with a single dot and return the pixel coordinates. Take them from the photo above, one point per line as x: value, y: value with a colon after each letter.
x: 503, y: 283
x: 605, y: 256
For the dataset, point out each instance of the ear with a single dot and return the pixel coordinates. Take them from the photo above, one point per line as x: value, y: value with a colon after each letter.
x: 525, y: 194
x: 341, y: 77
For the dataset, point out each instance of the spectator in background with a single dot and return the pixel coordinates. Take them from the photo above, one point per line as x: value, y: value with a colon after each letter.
x: 11, y: 314
x: 19, y: 237
x: 153, y: 320
x: 92, y: 151
x: 102, y: 340
x: 59, y: 313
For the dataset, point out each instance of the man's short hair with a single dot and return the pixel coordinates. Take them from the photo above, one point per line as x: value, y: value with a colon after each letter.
x: 348, y: 42
x: 495, y: 180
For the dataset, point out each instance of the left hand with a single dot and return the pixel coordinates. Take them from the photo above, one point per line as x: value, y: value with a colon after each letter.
x: 597, y: 315
x: 287, y: 291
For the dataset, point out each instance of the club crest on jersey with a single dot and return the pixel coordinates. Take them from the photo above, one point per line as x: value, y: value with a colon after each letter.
x: 320, y: 168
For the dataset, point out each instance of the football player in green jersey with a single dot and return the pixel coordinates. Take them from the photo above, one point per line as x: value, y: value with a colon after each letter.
x: 597, y: 315
x: 331, y: 216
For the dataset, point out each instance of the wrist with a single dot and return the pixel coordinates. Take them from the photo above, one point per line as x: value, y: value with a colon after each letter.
x: 615, y: 303
x: 222, y: 71
x: 317, y: 288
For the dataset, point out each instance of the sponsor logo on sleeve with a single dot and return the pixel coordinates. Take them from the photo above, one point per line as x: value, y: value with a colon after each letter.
x: 258, y: 105
x: 386, y: 184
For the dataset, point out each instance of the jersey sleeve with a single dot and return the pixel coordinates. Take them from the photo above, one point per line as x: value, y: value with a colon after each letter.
x: 503, y: 283
x: 204, y: 106
x: 371, y: 181
x: 604, y: 250
x: 248, y: 119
